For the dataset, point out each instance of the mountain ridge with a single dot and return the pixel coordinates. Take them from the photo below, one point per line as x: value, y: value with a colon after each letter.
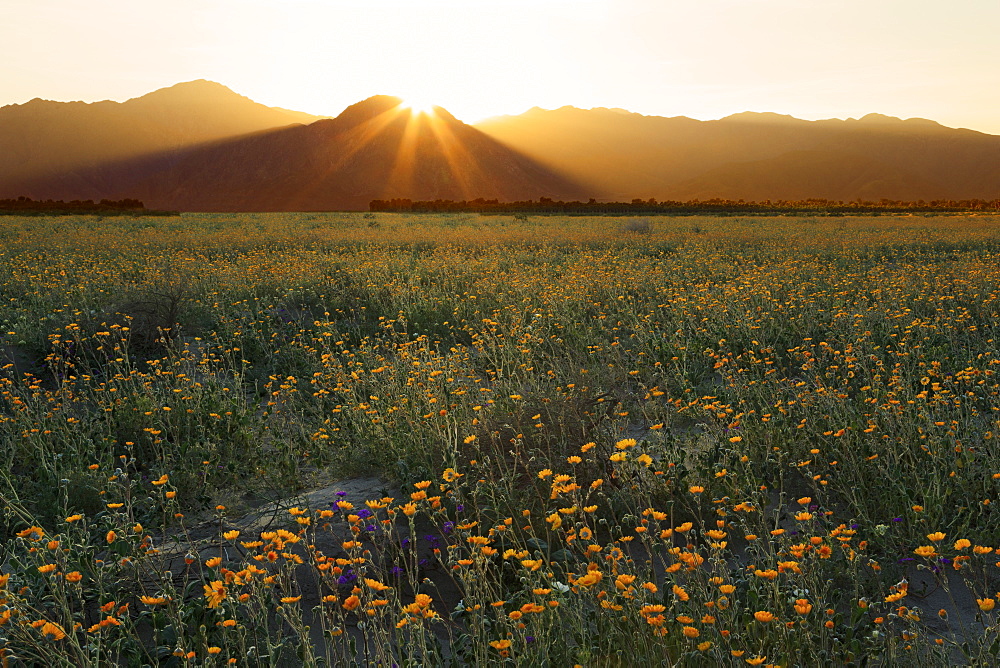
x: 373, y: 149
x: 740, y: 156
x: 44, y: 137
x: 200, y: 146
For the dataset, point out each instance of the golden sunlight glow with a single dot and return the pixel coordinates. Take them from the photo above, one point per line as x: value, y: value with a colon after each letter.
x: 488, y: 58
x: 418, y: 105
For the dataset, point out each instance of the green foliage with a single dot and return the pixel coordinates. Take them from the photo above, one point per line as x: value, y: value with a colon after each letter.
x: 717, y: 417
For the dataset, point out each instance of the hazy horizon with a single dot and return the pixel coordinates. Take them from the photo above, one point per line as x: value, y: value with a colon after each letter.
x: 494, y: 116
x: 704, y: 60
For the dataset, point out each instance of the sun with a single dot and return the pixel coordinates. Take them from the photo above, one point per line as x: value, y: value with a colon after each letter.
x: 418, y: 105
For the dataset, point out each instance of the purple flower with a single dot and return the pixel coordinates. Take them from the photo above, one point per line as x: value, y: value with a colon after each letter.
x: 348, y: 576
x: 448, y: 526
x: 397, y: 571
x: 341, y: 494
x: 459, y: 508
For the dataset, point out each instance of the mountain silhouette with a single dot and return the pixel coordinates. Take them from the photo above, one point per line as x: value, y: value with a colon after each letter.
x: 375, y: 149
x: 198, y: 146
x: 756, y: 156
x: 53, y: 140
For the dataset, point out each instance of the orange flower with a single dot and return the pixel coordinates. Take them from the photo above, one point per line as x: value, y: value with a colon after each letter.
x: 31, y: 533
x: 763, y: 616
x: 54, y: 630
x: 375, y: 584
x: 351, y: 602
x: 215, y: 593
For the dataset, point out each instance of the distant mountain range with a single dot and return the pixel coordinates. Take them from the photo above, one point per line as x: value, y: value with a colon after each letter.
x: 199, y: 146
x: 757, y: 156
x: 54, y: 139
x: 238, y: 159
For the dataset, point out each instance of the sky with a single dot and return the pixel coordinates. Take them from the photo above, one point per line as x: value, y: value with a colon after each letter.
x: 704, y: 59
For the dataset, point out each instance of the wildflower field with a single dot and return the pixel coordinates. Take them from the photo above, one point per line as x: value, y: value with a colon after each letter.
x: 689, y: 441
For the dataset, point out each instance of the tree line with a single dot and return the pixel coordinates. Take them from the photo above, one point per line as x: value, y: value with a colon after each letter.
x: 25, y: 206
x: 814, y: 206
